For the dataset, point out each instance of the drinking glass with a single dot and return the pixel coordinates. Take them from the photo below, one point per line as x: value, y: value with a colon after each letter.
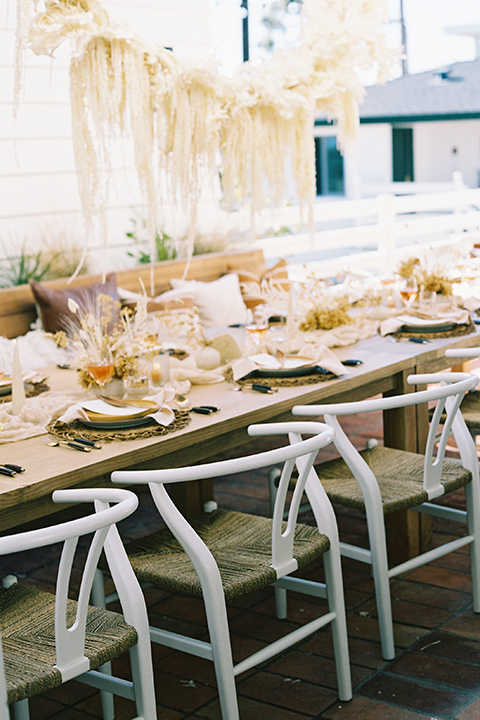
x: 101, y: 369
x: 408, y: 291
x: 257, y: 330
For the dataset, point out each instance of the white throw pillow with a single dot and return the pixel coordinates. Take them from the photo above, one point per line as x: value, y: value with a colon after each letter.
x: 219, y: 302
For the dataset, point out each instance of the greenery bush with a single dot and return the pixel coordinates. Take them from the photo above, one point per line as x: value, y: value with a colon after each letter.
x: 20, y: 269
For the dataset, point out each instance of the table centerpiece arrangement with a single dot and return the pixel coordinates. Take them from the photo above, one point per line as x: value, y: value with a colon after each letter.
x: 108, y: 345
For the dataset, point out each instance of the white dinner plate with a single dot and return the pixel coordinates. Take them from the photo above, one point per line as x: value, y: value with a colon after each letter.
x: 264, y: 361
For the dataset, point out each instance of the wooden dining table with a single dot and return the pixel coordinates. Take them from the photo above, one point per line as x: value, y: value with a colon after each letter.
x: 384, y: 370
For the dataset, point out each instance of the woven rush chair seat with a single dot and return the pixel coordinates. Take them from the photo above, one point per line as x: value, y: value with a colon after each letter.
x: 240, y: 544
x: 471, y: 411
x: 399, y: 475
x: 27, y: 622
x: 471, y: 401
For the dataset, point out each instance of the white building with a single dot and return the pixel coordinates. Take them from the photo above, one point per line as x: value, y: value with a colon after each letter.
x: 418, y: 128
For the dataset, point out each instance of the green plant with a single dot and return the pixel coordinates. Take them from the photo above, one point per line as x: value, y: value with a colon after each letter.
x: 20, y: 269
x: 164, y: 249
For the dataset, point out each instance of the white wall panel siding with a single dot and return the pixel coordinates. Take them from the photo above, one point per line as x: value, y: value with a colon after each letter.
x: 38, y: 183
x: 28, y: 156
x: 442, y: 148
x: 375, y: 153
x: 37, y: 121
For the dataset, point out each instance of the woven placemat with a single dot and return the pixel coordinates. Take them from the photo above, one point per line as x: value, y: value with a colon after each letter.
x: 456, y: 331
x: 31, y: 390
x: 75, y: 428
x: 312, y: 379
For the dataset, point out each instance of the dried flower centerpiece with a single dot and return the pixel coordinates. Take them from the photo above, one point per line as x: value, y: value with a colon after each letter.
x: 327, y: 309
x: 105, y: 341
x: 431, y: 279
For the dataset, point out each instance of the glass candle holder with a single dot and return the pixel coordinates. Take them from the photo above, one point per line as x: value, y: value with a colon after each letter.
x: 160, y: 370
x: 137, y: 383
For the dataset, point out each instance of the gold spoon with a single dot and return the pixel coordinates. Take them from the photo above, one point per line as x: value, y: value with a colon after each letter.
x: 182, y: 401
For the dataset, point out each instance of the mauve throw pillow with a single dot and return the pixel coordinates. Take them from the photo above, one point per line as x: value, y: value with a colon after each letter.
x: 53, y: 304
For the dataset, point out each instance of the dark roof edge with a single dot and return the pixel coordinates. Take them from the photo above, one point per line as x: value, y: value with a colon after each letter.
x: 422, y: 118
x: 411, y: 118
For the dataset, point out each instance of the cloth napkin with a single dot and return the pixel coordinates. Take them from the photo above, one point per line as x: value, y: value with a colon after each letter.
x: 394, y: 324
x: 320, y: 354
x: 362, y: 327
x: 163, y: 416
x: 471, y: 303
x: 185, y: 373
x: 36, y: 414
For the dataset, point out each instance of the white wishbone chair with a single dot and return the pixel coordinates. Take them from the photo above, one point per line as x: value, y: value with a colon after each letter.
x: 221, y: 554
x: 382, y: 480
x: 471, y: 403
x: 49, y: 639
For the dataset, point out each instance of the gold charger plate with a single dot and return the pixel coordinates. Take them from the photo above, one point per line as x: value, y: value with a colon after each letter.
x: 94, y: 410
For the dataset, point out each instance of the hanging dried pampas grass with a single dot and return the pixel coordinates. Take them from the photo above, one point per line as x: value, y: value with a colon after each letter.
x: 179, y: 115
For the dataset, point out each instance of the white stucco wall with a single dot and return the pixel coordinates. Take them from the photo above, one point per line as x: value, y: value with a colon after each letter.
x: 38, y: 186
x: 374, y: 153
x: 443, y: 147
x: 440, y: 148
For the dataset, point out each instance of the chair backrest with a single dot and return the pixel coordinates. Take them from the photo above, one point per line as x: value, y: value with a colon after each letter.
x: 299, y: 452
x: 464, y: 353
x: 70, y: 641
x: 448, y: 397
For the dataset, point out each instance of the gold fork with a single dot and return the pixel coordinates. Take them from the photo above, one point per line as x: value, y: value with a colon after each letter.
x: 51, y: 442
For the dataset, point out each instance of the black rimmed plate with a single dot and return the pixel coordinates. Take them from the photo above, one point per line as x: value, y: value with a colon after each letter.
x: 116, y: 424
x: 422, y: 325
x: 5, y: 387
x: 290, y: 372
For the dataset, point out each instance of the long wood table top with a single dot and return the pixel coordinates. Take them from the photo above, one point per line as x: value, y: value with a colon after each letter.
x: 27, y: 496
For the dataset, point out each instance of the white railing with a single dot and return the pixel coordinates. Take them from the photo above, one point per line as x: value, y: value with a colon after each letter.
x: 388, y: 226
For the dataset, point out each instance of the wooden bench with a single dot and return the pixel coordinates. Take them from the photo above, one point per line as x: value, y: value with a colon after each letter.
x: 17, y: 307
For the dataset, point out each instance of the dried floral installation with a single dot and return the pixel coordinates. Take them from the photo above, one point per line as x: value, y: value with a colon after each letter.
x: 179, y: 115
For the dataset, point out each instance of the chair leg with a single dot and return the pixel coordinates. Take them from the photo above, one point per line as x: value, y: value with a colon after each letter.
x: 281, y: 603
x: 98, y: 590
x: 142, y: 676
x: 336, y: 604
x: 21, y: 710
x: 378, y: 548
x: 472, y: 503
x: 217, y: 622
x: 98, y: 599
